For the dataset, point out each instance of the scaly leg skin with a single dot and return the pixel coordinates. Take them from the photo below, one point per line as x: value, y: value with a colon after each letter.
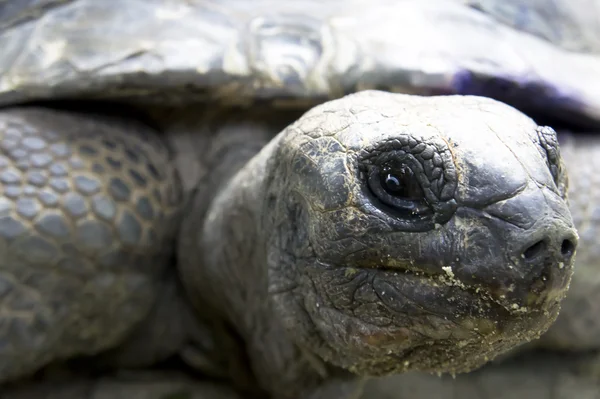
x: 88, y: 211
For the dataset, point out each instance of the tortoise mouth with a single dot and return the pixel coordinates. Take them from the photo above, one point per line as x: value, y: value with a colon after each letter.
x: 434, y: 294
x: 436, y: 286
x: 417, y: 321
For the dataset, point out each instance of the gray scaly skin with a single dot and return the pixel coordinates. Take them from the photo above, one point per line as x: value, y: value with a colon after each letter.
x: 303, y: 266
x: 87, y: 216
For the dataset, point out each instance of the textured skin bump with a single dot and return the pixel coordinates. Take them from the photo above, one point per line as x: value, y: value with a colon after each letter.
x: 87, y: 208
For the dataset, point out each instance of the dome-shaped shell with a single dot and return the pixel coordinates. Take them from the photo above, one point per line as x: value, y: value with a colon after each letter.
x: 239, y: 51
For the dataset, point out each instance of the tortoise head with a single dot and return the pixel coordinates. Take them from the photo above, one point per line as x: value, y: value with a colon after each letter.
x: 417, y: 233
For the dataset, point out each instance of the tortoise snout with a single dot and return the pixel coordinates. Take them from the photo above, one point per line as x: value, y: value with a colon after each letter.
x: 530, y: 244
x: 560, y: 250
x: 545, y: 263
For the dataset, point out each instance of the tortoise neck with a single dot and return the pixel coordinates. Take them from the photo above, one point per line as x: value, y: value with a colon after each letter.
x: 223, y: 260
x: 221, y: 243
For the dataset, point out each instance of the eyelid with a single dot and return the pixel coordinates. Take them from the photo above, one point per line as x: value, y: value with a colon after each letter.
x: 405, y: 205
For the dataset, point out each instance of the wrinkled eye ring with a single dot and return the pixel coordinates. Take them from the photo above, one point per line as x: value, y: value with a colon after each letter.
x: 412, y: 204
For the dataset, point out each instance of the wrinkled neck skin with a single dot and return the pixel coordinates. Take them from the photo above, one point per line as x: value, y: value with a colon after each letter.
x: 225, y: 267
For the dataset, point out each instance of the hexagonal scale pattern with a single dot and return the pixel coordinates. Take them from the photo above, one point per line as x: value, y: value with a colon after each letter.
x: 87, y: 209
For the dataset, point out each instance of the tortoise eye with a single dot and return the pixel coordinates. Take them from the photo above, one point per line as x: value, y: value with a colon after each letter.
x: 398, y: 188
x: 401, y: 182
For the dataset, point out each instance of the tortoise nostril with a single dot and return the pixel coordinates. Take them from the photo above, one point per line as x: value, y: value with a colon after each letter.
x: 534, y: 250
x: 567, y: 248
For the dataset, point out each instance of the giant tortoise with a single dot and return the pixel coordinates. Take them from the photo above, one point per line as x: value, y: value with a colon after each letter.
x: 198, y: 181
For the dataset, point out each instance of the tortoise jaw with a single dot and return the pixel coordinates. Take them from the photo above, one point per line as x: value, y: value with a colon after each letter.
x: 512, y: 290
x: 386, y: 321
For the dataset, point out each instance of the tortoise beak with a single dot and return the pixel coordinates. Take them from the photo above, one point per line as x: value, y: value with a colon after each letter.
x: 520, y: 250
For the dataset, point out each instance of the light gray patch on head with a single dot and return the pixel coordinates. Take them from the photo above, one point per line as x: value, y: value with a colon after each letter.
x: 490, y: 170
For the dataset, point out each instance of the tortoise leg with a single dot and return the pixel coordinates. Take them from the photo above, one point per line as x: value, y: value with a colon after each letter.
x: 88, y: 210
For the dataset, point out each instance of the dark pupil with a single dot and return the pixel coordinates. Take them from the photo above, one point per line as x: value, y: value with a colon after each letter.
x: 401, y: 183
x: 393, y: 184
